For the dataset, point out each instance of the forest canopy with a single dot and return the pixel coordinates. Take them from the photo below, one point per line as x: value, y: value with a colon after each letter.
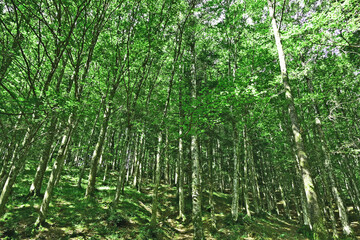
x: 213, y: 115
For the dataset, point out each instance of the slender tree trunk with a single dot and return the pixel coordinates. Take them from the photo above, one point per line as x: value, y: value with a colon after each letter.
x: 265, y: 183
x: 128, y: 163
x: 157, y: 171
x: 8, y: 163
x: 177, y: 55
x: 18, y: 163
x: 246, y: 173
x: 181, y: 177
x: 181, y: 153
x: 139, y: 156
x: 86, y: 158
x: 97, y: 153
x: 35, y: 187
x: 235, y: 197
x: 143, y: 157
x: 220, y: 166
x: 166, y: 158
x: 56, y: 169
x: 78, y: 154
x: 196, y: 171
x: 211, y: 189
x: 124, y: 154
x: 284, y: 200
x: 316, y: 217
x: 333, y: 221
x: 253, y: 178
x: 111, y: 140
x: 139, y: 181
x: 328, y: 203
x: 196, y: 189
x: 350, y: 185
x: 329, y: 168
x: 157, y: 182
x: 9, y: 158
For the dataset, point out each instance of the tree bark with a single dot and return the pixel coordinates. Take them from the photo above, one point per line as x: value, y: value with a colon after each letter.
x: 181, y: 177
x: 329, y: 168
x: 123, y: 158
x: 181, y: 155
x: 56, y: 170
x: 196, y: 172
x: 235, y: 197
x: 82, y: 171
x: 155, y: 201
x: 211, y: 151
x: 97, y: 153
x: 35, y: 187
x: 316, y: 217
x: 246, y: 173
x: 18, y: 163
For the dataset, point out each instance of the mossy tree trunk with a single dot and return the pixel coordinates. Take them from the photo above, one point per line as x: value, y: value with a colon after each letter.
x: 316, y: 217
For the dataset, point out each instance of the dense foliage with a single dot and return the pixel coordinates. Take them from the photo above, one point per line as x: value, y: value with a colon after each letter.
x: 257, y: 99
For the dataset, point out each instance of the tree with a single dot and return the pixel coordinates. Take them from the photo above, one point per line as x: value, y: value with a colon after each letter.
x: 316, y: 217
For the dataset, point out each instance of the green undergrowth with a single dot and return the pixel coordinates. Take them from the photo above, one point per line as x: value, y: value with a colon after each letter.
x: 71, y: 216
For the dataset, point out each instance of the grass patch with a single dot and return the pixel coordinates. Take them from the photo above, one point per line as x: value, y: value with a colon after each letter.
x: 71, y: 216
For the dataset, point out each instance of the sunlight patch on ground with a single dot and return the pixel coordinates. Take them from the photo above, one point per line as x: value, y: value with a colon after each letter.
x: 147, y: 208
x: 22, y: 206
x: 62, y: 201
x: 106, y: 188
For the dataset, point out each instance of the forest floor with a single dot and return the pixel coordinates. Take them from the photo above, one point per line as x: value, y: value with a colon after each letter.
x: 71, y: 216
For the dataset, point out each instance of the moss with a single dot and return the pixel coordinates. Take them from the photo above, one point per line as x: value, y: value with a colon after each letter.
x: 320, y: 232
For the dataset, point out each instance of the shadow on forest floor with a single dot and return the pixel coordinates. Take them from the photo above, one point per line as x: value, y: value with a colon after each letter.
x: 71, y: 216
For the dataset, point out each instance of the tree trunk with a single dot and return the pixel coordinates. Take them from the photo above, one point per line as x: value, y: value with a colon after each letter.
x: 18, y: 163
x: 166, y: 158
x: 87, y: 156
x: 196, y: 189
x: 8, y: 162
x: 97, y: 153
x: 329, y: 168
x: 196, y: 171
x: 253, y: 177
x: 181, y: 177
x: 35, y: 187
x: 284, y: 200
x: 211, y: 188
x: 157, y: 182
x: 56, y: 170
x: 235, y: 197
x: 246, y: 173
x: 316, y: 217
x: 124, y: 157
x: 137, y: 160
